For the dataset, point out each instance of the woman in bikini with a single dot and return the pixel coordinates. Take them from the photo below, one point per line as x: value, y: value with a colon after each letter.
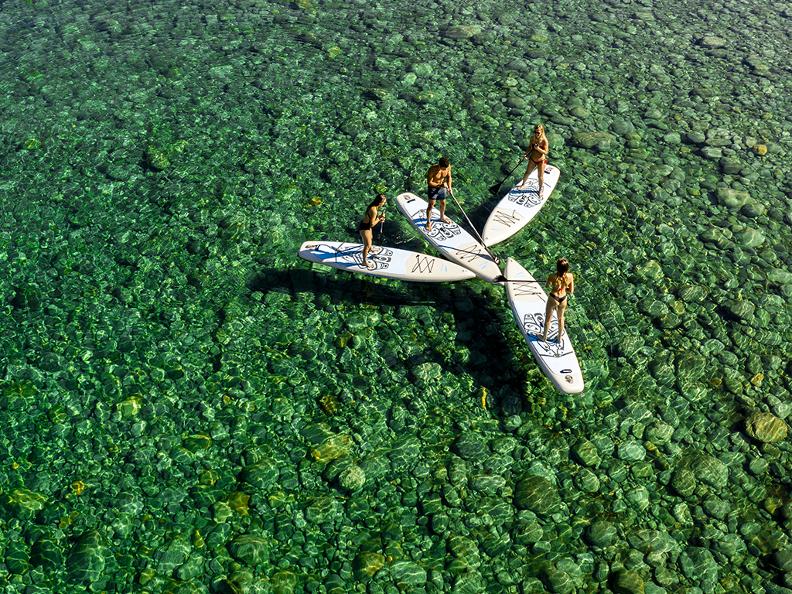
x: 537, y: 156
x: 562, y: 285
x: 370, y: 220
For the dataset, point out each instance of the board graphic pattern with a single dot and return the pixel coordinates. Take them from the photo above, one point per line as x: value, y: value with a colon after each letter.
x: 384, y: 261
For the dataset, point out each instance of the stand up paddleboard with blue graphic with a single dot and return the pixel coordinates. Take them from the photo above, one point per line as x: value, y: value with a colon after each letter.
x: 383, y: 261
x: 519, y: 206
x: 555, y: 356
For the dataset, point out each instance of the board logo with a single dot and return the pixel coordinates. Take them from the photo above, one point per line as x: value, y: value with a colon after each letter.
x: 379, y: 260
x: 533, y: 325
x: 440, y: 230
x: 527, y: 195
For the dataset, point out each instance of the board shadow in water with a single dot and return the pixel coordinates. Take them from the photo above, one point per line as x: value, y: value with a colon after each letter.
x: 479, y: 327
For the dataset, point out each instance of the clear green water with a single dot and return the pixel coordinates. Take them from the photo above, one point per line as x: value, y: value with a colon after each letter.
x: 188, y: 407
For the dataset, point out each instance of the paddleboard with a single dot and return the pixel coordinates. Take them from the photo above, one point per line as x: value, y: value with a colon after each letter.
x: 528, y: 301
x: 450, y: 239
x: 516, y: 209
x: 384, y: 261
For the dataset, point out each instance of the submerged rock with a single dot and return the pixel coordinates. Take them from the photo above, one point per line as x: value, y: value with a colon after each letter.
x: 599, y: 141
x: 249, y: 549
x: 536, y: 494
x: 766, y: 427
x: 86, y: 561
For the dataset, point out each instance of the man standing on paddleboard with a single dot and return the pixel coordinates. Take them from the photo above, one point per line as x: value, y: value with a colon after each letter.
x: 438, y: 178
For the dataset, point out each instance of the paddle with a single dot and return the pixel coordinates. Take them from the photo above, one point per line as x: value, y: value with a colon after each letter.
x: 382, y: 223
x: 494, y: 189
x: 459, y: 206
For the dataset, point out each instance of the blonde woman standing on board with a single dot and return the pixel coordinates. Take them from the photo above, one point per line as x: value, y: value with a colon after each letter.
x: 562, y: 285
x: 537, y: 156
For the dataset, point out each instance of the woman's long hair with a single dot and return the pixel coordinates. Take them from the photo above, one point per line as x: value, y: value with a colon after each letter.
x: 562, y: 267
x: 377, y: 201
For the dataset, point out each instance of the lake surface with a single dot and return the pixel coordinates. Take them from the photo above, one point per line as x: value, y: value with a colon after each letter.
x: 187, y: 406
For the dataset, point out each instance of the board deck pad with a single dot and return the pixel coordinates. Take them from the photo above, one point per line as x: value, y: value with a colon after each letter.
x: 386, y: 262
x: 556, y: 359
x: 450, y: 239
x: 516, y: 209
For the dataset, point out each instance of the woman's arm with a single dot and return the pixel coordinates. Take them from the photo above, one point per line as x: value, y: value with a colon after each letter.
x: 448, y: 179
x: 571, y: 283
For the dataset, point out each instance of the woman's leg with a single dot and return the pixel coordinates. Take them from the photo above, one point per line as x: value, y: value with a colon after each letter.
x: 528, y: 170
x: 548, y: 316
x: 541, y: 177
x: 366, y: 236
x: 561, y: 310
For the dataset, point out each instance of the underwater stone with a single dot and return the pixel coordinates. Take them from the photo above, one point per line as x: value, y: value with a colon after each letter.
x: 24, y: 501
x: 263, y: 475
x: 352, y: 478
x: 249, y: 549
x: 366, y: 564
x: 470, y: 446
x: 711, y: 471
x: 17, y: 557
x: 586, y: 452
x: 731, y: 198
x: 631, y: 451
x: 587, y: 481
x: 284, y: 582
x: 659, y: 433
x: 766, y: 427
x: 46, y: 553
x: 407, y: 574
x: 751, y: 238
x: 536, y: 494
x: 628, y: 582
x: 711, y: 42
x: 333, y: 448
x: 639, y: 497
x: 622, y: 127
x: 783, y: 559
x: 197, y: 442
x: 600, y: 141
x: 683, y: 481
x: 462, y: 31
x: 171, y: 557
x: 743, y: 309
x: 698, y: 564
x: 559, y: 581
x: 86, y: 561
x: 695, y: 138
x: 156, y: 159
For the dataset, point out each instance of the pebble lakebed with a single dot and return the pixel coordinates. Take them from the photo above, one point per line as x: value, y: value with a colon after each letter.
x: 188, y: 407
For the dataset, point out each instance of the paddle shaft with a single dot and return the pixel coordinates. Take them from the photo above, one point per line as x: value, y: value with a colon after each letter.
x: 495, y: 188
x: 481, y: 239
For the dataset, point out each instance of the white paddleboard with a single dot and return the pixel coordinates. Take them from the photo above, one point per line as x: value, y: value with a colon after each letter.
x: 556, y: 358
x: 449, y: 238
x: 519, y: 206
x: 384, y: 261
